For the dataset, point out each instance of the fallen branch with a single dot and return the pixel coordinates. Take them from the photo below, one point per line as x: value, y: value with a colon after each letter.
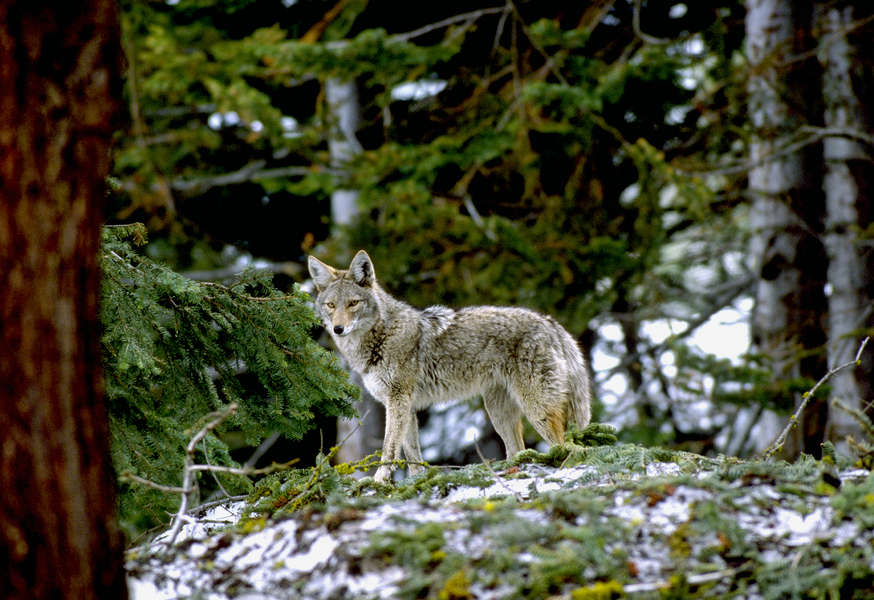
x: 694, y: 579
x: 781, y: 439
x: 188, y: 476
x: 498, y: 479
x: 189, y: 484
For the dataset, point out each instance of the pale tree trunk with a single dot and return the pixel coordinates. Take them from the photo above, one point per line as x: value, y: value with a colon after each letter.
x: 848, y: 179
x: 785, y: 249
x: 345, y: 114
x: 59, y: 102
x: 362, y: 436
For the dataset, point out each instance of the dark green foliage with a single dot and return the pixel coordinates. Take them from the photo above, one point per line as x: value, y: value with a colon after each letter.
x: 749, y: 383
x: 570, y: 164
x: 175, y: 349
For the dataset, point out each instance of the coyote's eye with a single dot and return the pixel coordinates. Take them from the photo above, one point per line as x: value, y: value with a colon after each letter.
x: 353, y: 303
x: 330, y: 305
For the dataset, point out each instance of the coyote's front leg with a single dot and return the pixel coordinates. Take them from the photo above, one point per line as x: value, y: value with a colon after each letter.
x: 398, y: 411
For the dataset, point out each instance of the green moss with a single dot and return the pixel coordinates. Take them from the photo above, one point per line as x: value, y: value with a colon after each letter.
x: 456, y: 587
x: 432, y: 570
x: 594, y: 434
x: 571, y: 546
x: 420, y: 547
x: 679, y: 544
x: 601, y: 590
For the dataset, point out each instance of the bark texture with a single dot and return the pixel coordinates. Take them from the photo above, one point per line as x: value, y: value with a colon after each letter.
x: 847, y: 185
x: 60, y: 66
x: 787, y: 203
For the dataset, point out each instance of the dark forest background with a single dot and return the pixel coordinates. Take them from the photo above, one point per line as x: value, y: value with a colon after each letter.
x: 636, y: 168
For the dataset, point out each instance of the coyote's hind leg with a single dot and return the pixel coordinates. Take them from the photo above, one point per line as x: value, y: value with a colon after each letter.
x: 506, y: 418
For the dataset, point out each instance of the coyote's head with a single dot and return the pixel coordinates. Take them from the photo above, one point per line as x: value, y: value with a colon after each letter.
x: 345, y: 300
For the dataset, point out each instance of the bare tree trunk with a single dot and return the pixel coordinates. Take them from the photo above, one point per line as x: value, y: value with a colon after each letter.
x: 59, y: 100
x: 364, y: 437
x: 343, y: 146
x: 849, y: 173
x: 786, y: 206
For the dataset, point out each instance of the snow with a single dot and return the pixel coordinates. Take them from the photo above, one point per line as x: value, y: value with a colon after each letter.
x: 303, y: 556
x: 526, y: 486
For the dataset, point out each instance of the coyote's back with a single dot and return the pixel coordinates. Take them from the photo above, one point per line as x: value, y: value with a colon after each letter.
x: 520, y: 361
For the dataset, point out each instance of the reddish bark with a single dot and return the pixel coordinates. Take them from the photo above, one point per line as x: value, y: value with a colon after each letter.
x: 60, y: 65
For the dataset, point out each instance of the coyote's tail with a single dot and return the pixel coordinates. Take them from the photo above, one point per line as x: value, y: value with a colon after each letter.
x: 579, y: 383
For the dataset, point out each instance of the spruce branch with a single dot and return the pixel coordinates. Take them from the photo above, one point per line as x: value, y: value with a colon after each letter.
x: 191, y: 340
x: 213, y: 471
x: 793, y: 420
x: 805, y: 136
x: 189, y: 484
x: 858, y: 416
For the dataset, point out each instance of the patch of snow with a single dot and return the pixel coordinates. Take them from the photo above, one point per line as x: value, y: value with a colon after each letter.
x: 304, y: 557
x: 214, y: 518
x: 660, y: 469
x: 418, y: 90
x: 854, y: 474
x: 320, y: 551
x: 799, y: 529
x: 145, y: 589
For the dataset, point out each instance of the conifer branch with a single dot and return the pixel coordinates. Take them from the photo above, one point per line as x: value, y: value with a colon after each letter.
x: 805, y: 136
x: 460, y: 18
x: 250, y: 172
x: 170, y: 489
x: 212, y: 471
x: 245, y: 470
x: 793, y: 420
x: 189, y: 484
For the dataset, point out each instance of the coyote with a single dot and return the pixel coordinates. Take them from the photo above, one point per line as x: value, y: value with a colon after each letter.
x: 521, y: 362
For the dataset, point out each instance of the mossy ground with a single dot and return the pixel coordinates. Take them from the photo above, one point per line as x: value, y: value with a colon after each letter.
x: 579, y: 521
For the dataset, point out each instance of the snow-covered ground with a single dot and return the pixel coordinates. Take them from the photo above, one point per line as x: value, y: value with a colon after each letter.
x: 652, y: 522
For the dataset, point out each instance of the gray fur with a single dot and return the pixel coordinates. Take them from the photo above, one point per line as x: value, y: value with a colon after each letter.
x: 521, y: 362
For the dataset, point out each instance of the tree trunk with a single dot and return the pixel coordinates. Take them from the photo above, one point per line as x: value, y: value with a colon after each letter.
x: 849, y: 171
x: 786, y: 204
x: 58, y: 105
x: 345, y: 114
x: 358, y: 437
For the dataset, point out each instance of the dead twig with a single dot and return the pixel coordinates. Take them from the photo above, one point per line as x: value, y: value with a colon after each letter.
x: 188, y: 475
x: 495, y: 475
x: 635, y: 23
x: 781, y: 439
x: 189, y: 484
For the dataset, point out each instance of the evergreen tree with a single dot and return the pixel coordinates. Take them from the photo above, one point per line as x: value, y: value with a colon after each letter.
x: 590, y: 160
x: 175, y: 349
x: 538, y: 175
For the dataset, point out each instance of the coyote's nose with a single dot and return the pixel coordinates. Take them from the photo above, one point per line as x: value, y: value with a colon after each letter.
x: 338, y: 329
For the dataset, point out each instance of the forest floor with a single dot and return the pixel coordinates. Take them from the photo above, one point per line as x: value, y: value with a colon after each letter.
x: 578, y: 522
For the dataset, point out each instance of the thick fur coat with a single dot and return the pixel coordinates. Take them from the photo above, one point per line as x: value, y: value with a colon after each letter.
x: 521, y: 362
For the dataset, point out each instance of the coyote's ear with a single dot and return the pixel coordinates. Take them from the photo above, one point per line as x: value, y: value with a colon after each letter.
x: 321, y: 273
x: 362, y: 269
